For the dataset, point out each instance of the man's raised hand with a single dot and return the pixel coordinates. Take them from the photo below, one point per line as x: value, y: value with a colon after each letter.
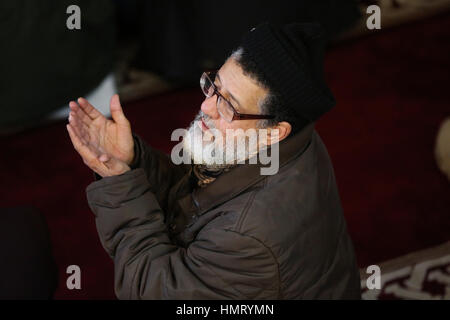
x: 106, y: 140
x: 112, y: 138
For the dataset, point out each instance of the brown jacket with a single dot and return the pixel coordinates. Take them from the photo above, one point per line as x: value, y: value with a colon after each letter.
x: 244, y: 236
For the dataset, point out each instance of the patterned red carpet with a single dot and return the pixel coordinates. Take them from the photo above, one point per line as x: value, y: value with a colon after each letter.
x: 392, y: 93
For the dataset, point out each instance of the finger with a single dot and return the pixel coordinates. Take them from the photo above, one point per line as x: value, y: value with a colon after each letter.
x: 73, y: 105
x: 117, y: 111
x: 80, y: 113
x: 75, y: 118
x: 88, y: 156
x: 89, y: 109
x: 77, y: 143
x: 84, y: 135
x: 79, y: 128
x: 85, y: 152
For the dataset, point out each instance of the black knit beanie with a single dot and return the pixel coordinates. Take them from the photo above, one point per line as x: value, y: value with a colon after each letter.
x: 291, y: 60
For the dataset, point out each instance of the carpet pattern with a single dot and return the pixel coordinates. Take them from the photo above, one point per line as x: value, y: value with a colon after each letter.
x: 423, y: 275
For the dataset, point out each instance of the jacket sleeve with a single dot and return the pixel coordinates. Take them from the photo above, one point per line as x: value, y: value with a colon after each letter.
x: 218, y: 264
x: 159, y: 169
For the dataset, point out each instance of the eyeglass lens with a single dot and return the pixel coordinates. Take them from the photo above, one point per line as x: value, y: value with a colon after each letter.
x: 223, y: 107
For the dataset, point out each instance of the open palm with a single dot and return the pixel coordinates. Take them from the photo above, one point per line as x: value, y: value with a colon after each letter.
x: 104, y: 137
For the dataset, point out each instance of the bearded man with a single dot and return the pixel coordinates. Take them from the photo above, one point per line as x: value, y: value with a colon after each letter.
x: 222, y: 229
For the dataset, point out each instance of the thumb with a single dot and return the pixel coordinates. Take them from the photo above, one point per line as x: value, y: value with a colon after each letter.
x: 117, y: 111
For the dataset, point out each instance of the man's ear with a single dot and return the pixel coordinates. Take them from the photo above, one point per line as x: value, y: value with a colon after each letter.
x: 279, y: 132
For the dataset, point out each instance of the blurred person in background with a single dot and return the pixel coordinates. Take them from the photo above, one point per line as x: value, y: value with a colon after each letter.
x: 44, y: 63
x: 174, y: 41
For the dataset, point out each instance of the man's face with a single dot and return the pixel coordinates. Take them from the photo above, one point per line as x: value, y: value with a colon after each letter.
x: 245, y: 95
x: 241, y: 91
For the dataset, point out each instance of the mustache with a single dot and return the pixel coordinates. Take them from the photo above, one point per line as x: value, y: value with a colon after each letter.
x: 207, y: 119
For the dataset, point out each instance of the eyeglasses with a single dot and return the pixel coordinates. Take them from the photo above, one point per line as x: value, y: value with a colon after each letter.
x: 224, y: 107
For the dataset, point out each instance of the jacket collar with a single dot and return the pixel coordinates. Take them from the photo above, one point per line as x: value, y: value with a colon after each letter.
x: 229, y: 184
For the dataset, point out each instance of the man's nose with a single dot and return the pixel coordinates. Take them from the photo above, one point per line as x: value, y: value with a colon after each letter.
x: 209, y: 107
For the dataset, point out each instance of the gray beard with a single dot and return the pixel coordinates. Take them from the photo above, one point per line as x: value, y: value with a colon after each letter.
x: 209, y: 164
x: 216, y: 167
